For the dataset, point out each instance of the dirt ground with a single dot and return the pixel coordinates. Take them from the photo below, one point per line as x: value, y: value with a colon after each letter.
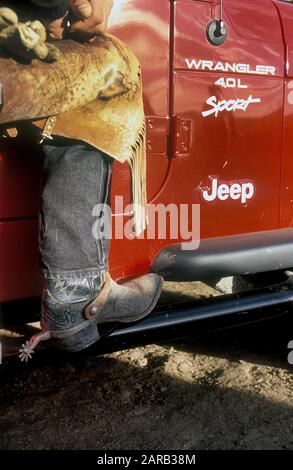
x: 225, y: 390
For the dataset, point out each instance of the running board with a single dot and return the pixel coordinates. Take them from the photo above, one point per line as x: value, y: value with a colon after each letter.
x: 184, y: 320
x: 182, y: 314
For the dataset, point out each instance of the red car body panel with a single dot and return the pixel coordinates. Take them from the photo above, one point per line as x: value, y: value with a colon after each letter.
x: 185, y: 149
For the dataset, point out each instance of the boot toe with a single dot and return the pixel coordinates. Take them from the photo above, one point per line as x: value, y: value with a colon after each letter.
x: 131, y: 301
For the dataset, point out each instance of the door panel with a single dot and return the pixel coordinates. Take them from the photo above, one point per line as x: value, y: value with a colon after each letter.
x: 286, y: 13
x: 286, y: 215
x: 254, y: 33
x: 286, y: 212
x: 240, y: 141
x: 244, y: 147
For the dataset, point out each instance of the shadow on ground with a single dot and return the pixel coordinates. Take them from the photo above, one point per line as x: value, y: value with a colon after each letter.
x: 221, y: 391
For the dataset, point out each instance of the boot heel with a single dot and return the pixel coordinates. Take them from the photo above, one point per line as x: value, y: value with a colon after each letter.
x: 78, y: 341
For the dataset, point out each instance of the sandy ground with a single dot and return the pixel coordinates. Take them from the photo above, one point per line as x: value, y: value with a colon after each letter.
x: 226, y: 390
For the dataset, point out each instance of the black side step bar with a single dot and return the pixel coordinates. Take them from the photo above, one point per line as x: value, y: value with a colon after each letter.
x: 183, y: 314
x: 184, y: 319
x: 227, y: 256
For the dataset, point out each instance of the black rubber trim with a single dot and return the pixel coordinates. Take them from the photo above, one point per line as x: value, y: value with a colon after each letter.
x: 227, y: 256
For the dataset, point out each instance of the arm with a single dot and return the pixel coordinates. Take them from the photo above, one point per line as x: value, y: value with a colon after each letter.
x: 90, y: 17
x: 87, y: 17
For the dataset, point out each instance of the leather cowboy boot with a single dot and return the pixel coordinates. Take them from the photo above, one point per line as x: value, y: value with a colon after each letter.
x: 127, y: 302
x: 70, y: 315
x: 63, y: 304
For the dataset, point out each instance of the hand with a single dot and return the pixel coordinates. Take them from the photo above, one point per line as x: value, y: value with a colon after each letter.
x: 90, y: 17
x: 55, y: 29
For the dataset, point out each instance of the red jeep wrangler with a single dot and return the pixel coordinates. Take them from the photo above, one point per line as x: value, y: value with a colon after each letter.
x: 218, y: 93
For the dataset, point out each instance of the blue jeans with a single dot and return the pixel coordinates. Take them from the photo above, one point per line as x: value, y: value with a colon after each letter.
x: 76, y: 177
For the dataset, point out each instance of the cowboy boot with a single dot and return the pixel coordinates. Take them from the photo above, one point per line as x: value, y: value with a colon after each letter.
x: 127, y: 302
x: 70, y: 315
x: 63, y: 304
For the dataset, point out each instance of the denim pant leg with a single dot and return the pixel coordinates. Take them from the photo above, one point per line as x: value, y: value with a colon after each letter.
x: 76, y: 178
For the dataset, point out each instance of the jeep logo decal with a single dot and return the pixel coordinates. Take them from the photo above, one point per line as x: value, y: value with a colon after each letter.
x: 242, y: 191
